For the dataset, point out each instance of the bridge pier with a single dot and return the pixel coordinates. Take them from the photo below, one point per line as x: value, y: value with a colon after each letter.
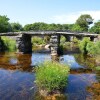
x: 24, y: 44
x: 55, y: 43
x: 79, y: 37
x: 69, y: 38
x: 94, y: 39
x: 91, y: 38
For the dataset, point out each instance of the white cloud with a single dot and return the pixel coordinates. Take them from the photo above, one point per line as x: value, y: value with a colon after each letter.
x: 72, y: 17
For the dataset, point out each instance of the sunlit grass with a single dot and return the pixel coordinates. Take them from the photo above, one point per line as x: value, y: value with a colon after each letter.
x: 9, y: 44
x: 51, y: 76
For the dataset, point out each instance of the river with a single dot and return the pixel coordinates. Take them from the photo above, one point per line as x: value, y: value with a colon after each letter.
x: 17, y: 76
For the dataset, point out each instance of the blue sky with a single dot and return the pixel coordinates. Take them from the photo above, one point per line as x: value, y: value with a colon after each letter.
x: 49, y: 11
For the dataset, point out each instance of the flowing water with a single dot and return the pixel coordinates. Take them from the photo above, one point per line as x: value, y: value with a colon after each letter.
x: 17, y: 76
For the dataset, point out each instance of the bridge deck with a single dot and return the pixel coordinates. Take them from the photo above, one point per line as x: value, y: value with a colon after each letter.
x: 48, y: 33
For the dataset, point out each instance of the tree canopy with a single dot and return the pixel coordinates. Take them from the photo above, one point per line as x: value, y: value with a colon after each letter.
x: 39, y: 26
x: 81, y: 25
x: 95, y: 28
x: 4, y: 24
x: 16, y: 27
x: 83, y: 21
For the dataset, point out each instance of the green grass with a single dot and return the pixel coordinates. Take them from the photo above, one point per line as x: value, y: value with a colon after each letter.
x: 51, y: 76
x: 9, y: 44
x: 98, y: 68
x: 37, y: 41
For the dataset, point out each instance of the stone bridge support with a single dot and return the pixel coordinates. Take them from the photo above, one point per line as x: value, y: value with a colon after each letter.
x: 79, y: 37
x: 24, y: 44
x: 69, y: 38
x: 54, y: 44
x: 91, y: 38
x: 94, y: 39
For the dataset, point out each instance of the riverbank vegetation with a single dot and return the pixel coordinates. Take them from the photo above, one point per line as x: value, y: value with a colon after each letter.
x: 38, y: 41
x: 52, y: 77
x: 88, y: 47
x: 8, y: 43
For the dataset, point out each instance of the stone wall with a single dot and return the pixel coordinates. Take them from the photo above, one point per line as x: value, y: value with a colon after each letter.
x: 54, y: 44
x: 24, y: 44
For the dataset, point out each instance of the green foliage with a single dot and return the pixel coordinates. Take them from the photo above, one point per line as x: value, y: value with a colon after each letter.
x: 36, y: 26
x: 83, y: 44
x: 28, y: 27
x: 75, y: 40
x: 4, y: 24
x: 83, y: 21
x: 40, y: 26
x: 62, y: 39
x: 16, y: 27
x: 77, y: 28
x: 37, y: 40
x: 52, y: 76
x: 98, y: 68
x: 9, y: 44
x: 93, y: 48
x: 88, y: 47
x: 95, y: 28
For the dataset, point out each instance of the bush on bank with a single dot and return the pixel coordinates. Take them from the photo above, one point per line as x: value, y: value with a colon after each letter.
x: 9, y: 44
x: 88, y: 47
x: 37, y: 40
x: 52, y: 76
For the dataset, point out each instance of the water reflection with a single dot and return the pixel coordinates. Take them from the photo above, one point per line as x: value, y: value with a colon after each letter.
x: 38, y: 58
x: 24, y: 62
x: 70, y: 60
x: 15, y: 85
x: 17, y: 79
x: 14, y: 61
x: 85, y: 60
x: 77, y: 86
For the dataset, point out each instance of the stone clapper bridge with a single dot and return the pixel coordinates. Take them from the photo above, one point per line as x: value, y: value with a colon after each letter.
x: 24, y: 45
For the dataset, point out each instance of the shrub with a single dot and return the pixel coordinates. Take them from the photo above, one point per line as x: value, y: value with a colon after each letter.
x: 9, y: 44
x: 83, y: 44
x: 88, y: 47
x: 91, y: 48
x: 51, y: 76
x: 62, y: 39
x: 98, y: 68
x: 37, y: 40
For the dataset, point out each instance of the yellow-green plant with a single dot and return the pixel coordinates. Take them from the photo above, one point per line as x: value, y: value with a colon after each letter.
x: 37, y: 40
x: 51, y: 76
x: 9, y: 44
x: 88, y: 47
x: 83, y: 44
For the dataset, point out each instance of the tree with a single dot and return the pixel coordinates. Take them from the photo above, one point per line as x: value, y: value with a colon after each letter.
x: 83, y: 21
x: 76, y: 28
x: 95, y: 28
x: 36, y: 26
x: 28, y: 27
x: 52, y: 26
x: 4, y: 24
x: 16, y: 27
